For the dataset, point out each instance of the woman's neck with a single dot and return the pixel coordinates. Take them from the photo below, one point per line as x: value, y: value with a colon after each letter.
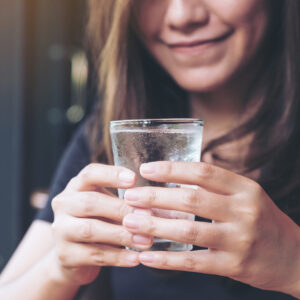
x: 228, y: 106
x: 222, y: 111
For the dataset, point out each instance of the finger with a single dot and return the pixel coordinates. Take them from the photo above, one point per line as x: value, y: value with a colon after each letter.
x: 201, y: 261
x: 170, y: 214
x: 91, y: 204
x: 99, y: 175
x: 202, y: 234
x: 97, y: 231
x: 78, y: 255
x: 205, y: 175
x: 199, y: 201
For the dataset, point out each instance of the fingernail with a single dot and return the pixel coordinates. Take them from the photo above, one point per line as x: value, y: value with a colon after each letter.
x: 132, y: 221
x: 131, y: 195
x: 147, y: 257
x: 143, y: 212
x: 127, y: 176
x: 141, y: 239
x: 131, y: 258
x: 148, y: 168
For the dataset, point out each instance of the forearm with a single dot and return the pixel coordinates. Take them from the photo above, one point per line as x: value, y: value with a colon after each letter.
x: 41, y: 282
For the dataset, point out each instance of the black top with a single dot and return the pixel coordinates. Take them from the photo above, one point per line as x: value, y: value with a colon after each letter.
x: 142, y: 282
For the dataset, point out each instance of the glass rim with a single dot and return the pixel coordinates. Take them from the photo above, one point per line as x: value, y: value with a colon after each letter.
x: 149, y: 122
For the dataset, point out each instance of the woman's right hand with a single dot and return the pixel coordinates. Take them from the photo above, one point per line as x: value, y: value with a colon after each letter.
x: 88, y: 227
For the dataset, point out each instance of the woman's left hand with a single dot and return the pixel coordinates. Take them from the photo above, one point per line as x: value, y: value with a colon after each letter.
x: 251, y: 240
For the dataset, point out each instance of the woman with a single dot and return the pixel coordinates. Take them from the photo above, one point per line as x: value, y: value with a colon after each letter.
x: 234, y: 64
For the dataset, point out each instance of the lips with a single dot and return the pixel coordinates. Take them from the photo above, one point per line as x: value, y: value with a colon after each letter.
x: 196, y: 46
x: 197, y: 42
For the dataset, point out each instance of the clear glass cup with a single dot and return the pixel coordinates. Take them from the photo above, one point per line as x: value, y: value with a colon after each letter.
x: 135, y: 142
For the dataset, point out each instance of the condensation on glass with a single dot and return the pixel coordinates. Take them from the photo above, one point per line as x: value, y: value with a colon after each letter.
x: 135, y: 142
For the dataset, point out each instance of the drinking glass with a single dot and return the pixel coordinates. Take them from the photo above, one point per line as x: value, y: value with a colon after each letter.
x: 135, y: 142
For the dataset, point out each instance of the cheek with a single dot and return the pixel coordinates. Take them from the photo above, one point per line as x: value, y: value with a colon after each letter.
x: 236, y: 11
x: 249, y: 34
x: 149, y: 15
x: 247, y: 17
x: 209, y: 73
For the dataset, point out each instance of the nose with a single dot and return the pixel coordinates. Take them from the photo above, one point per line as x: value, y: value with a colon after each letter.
x: 185, y: 15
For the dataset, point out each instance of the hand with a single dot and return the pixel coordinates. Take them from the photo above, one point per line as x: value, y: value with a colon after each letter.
x: 250, y: 239
x: 87, y: 225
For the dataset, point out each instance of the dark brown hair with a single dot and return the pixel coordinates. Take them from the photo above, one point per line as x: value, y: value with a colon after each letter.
x: 132, y: 85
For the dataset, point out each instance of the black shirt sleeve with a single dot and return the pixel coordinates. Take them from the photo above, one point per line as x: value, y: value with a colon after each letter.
x: 75, y: 158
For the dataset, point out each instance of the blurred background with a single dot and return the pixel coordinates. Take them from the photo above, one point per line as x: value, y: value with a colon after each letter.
x: 46, y: 89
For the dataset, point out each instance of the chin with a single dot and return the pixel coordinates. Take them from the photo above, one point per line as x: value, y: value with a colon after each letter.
x: 200, y: 84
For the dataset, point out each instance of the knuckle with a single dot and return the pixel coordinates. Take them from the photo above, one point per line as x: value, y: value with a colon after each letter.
x: 87, y: 203
x: 189, y: 263
x: 74, y: 182
x: 119, y: 259
x: 97, y: 257
x: 206, y: 170
x: 124, y: 237
x: 56, y: 202
x: 123, y: 209
x: 164, y: 261
x: 237, y: 269
x: 62, y: 255
x: 85, y: 230
x: 148, y: 196
x: 116, y: 259
x: 256, y: 191
x: 190, y: 200
x: 87, y: 170
x: 167, y: 168
x: 259, y: 193
x: 111, y: 173
x: 246, y: 244
x: 150, y: 228
x: 253, y: 213
x: 190, y: 232
x: 84, y: 174
x: 254, y: 186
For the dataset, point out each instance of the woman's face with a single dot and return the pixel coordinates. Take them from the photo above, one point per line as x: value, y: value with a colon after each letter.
x: 202, y: 43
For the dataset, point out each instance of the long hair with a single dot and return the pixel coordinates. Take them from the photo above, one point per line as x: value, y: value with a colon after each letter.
x: 133, y: 85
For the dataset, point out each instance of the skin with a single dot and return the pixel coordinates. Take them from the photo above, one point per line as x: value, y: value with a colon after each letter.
x: 88, y: 223
x: 250, y: 240
x: 217, y: 74
x: 164, y: 23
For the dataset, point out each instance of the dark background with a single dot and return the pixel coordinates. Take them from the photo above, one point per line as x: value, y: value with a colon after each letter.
x: 45, y: 91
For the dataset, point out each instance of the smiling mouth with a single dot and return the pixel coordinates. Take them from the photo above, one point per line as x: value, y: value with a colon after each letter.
x: 196, y: 47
